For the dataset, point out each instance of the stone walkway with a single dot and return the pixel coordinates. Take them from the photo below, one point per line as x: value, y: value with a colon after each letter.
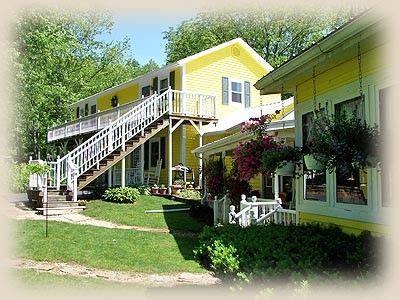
x: 164, y: 280
x: 20, y: 211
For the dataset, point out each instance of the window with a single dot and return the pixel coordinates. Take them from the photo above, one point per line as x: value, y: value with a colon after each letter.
x: 77, y: 112
x: 154, y: 153
x: 86, y: 109
x: 163, y: 85
x: 351, y: 184
x: 314, y: 181
x: 93, y: 109
x: 146, y: 91
x: 236, y: 92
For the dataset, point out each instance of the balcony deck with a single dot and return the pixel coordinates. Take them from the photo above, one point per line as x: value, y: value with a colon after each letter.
x: 188, y: 105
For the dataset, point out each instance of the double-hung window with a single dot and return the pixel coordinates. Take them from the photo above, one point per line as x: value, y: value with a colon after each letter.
x: 236, y: 91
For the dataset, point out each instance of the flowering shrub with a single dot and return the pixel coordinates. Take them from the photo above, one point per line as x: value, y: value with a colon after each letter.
x: 248, y: 155
x: 214, y: 173
x: 258, y: 125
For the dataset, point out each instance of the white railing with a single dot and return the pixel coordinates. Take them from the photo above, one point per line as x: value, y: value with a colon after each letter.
x: 221, y: 209
x: 193, y: 104
x: 261, y: 212
x: 110, y: 138
x: 89, y: 123
x: 132, y: 176
x: 183, y: 103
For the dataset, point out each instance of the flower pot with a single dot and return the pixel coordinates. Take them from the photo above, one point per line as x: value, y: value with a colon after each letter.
x: 312, y: 163
x: 286, y: 170
x: 175, y: 189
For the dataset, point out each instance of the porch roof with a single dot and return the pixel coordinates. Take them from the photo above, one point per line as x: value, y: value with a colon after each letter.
x: 230, y: 142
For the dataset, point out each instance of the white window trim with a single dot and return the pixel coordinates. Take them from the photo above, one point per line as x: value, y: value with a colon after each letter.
x: 373, y: 211
x: 230, y: 80
x: 151, y: 141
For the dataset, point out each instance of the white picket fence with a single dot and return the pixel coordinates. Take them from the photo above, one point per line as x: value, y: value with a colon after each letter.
x: 253, y: 212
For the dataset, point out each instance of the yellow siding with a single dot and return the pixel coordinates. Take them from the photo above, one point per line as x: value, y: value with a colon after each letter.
x: 192, y: 142
x: 125, y: 95
x: 347, y: 225
x: 178, y: 79
x: 341, y: 74
x: 205, y: 73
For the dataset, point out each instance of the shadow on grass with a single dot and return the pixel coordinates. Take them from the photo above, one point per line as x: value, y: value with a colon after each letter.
x: 184, y: 228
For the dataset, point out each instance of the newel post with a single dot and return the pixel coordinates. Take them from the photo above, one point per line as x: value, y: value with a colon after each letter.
x: 232, y: 214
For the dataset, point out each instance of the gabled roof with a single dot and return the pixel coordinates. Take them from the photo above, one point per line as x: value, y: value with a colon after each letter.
x: 239, y: 41
x: 185, y: 60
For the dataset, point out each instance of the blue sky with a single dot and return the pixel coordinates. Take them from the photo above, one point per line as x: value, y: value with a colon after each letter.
x: 145, y: 34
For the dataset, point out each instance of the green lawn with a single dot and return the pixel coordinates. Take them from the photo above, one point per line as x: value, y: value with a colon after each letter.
x: 104, y: 248
x: 134, y: 214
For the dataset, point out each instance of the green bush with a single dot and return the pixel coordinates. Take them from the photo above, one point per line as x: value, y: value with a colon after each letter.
x: 281, y: 252
x: 143, y: 189
x: 20, y: 175
x: 190, y: 194
x: 121, y: 195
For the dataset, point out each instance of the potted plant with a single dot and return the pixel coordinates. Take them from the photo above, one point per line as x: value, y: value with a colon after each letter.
x: 281, y: 160
x: 340, y: 140
x: 177, y: 186
x: 162, y: 189
x: 154, y: 189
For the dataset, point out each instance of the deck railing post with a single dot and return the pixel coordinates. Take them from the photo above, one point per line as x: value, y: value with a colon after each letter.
x: 58, y: 173
x: 232, y: 214
x: 215, y: 207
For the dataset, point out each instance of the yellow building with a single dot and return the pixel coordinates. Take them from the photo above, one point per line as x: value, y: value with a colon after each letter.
x: 185, y: 96
x: 345, y: 70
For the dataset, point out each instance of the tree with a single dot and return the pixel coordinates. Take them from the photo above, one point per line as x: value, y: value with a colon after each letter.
x: 276, y: 35
x: 60, y: 59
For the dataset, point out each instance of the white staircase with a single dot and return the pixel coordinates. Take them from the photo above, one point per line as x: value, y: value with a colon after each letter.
x: 114, y: 140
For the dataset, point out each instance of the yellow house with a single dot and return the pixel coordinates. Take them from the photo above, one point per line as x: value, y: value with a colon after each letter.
x: 343, y: 71
x: 177, y: 99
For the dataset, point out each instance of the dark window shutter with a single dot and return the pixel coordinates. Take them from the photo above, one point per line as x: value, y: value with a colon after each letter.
x: 155, y: 85
x: 225, y: 91
x: 246, y: 94
x: 162, y: 151
x: 172, y: 79
x: 77, y: 112
x: 146, y: 155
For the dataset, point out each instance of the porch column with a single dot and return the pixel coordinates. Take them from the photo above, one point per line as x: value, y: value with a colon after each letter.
x: 170, y: 153
x: 123, y: 172
x: 276, y: 186
x: 109, y: 173
x: 200, y: 156
x: 142, y: 162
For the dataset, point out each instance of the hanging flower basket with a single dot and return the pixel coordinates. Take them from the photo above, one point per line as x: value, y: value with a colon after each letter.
x: 287, y: 169
x: 312, y: 163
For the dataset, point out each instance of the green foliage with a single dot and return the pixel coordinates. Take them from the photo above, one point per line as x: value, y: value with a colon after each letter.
x: 277, y: 35
x: 121, y: 195
x: 190, y: 194
x: 343, y: 141
x: 59, y: 59
x: 281, y: 252
x: 20, y: 175
x: 275, y: 158
x: 19, y: 178
x: 223, y: 258
x: 143, y: 189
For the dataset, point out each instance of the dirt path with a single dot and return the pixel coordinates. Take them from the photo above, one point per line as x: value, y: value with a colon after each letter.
x: 20, y: 211
x: 164, y: 280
